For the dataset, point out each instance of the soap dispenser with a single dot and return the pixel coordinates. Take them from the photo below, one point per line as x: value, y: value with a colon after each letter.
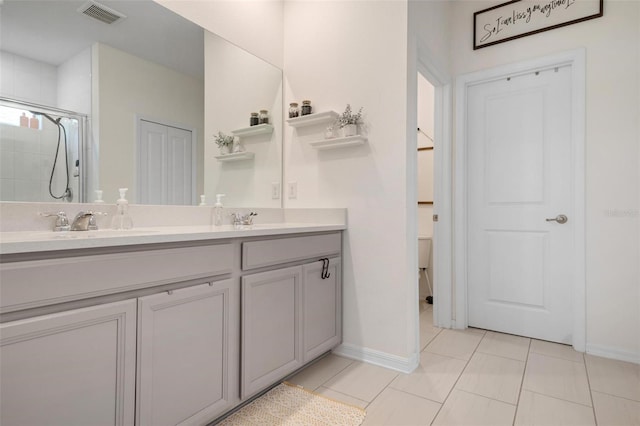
x: 218, y: 210
x: 122, y: 220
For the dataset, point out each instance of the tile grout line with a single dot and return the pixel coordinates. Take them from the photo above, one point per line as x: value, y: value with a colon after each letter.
x: 383, y: 389
x: 458, y: 379
x: 347, y: 366
x: 556, y: 356
x: 559, y: 399
x: 593, y: 406
x: 617, y: 396
x: 505, y: 357
x: 524, y: 373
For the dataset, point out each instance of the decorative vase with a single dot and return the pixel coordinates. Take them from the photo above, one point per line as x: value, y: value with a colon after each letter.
x: 225, y: 149
x: 350, y: 130
x: 329, y: 133
x: 237, y: 146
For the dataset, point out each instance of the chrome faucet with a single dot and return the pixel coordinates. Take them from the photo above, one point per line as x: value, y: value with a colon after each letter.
x: 62, y: 221
x: 85, y: 221
x: 240, y: 219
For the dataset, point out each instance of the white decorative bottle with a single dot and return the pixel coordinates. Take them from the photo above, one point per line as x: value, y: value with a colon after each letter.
x: 218, y: 210
x: 122, y: 220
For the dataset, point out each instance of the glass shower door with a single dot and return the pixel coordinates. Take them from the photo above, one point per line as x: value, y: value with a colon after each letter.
x: 40, y: 153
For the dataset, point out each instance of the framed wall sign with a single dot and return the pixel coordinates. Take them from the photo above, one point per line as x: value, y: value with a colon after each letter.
x: 520, y: 18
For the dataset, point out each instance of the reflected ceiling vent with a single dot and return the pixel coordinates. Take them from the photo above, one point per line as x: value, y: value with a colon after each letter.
x: 101, y: 12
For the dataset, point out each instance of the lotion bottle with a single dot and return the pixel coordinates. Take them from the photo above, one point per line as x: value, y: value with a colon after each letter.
x: 218, y: 210
x: 122, y: 220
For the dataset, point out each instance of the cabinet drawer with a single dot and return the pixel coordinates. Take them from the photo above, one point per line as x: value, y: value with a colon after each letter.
x: 36, y: 283
x: 258, y: 254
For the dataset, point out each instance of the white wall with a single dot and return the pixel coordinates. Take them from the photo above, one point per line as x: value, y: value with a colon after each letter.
x: 236, y: 84
x: 128, y: 86
x: 74, y: 83
x: 356, y: 52
x: 254, y: 25
x: 612, y: 141
x: 26, y: 79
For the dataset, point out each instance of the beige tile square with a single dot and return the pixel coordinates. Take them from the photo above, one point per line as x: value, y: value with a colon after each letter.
x: 540, y: 410
x: 455, y: 343
x: 316, y: 374
x: 614, y: 377
x: 362, y: 381
x: 426, y: 316
x: 505, y: 345
x: 556, y: 350
x: 465, y: 409
x: 427, y: 331
x: 557, y: 377
x: 393, y: 407
x: 330, y: 393
x: 612, y: 410
x: 433, y: 379
x: 493, y: 376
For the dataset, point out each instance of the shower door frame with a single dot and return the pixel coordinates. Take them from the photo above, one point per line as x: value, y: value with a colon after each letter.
x: 82, y: 137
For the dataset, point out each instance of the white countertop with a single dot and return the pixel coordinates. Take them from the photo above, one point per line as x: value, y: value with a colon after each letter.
x: 39, y: 241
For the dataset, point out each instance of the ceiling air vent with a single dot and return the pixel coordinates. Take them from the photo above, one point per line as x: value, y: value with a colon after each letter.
x: 100, y: 12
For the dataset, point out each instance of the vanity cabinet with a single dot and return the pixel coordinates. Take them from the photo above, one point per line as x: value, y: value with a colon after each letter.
x: 187, y: 342
x: 290, y: 315
x: 70, y: 368
x: 321, y: 308
x: 271, y: 313
x: 162, y: 334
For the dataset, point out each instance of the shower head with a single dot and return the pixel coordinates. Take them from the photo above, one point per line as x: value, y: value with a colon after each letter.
x: 56, y: 122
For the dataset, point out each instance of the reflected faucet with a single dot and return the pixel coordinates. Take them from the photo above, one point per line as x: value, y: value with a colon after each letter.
x: 85, y: 221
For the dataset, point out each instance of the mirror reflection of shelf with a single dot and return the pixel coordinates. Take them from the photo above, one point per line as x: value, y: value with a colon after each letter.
x: 259, y: 129
x: 316, y: 118
x: 338, y: 142
x: 235, y: 156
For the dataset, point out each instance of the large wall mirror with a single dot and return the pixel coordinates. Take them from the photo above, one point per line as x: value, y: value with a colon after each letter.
x: 89, y: 105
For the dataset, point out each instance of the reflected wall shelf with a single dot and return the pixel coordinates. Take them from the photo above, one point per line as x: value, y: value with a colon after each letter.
x: 259, y: 129
x: 316, y: 118
x: 338, y: 142
x: 236, y: 156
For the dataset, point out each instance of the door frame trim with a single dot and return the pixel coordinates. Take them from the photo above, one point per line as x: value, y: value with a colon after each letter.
x: 442, y: 237
x: 577, y: 60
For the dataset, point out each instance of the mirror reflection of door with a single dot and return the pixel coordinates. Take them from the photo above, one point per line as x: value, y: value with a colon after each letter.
x: 166, y: 164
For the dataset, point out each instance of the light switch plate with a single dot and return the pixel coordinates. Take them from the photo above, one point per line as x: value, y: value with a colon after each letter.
x: 275, y: 190
x: 292, y: 190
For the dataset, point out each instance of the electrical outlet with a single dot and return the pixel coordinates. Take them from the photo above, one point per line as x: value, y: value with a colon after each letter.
x: 292, y: 190
x: 275, y: 190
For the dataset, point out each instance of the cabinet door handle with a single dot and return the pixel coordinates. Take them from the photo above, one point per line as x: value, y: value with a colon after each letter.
x: 325, y: 268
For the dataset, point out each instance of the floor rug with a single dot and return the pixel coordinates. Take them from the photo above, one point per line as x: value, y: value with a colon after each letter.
x: 290, y: 405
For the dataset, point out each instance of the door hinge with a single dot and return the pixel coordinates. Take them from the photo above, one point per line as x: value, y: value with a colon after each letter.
x: 435, y: 217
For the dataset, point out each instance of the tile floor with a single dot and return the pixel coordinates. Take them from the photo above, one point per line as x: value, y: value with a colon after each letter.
x: 477, y: 377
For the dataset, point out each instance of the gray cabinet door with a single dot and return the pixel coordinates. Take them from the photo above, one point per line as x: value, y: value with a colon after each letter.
x: 271, y: 348
x: 322, y: 308
x: 187, y: 342
x: 70, y: 368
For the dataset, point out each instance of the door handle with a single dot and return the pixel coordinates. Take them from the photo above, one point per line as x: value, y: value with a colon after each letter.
x: 560, y: 219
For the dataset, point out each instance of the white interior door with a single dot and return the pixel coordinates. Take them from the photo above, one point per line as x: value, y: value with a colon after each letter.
x: 519, y: 176
x: 165, y: 164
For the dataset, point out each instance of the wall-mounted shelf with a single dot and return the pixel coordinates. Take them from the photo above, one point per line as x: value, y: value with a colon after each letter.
x: 338, y: 142
x: 259, y: 129
x: 316, y: 118
x: 236, y: 156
